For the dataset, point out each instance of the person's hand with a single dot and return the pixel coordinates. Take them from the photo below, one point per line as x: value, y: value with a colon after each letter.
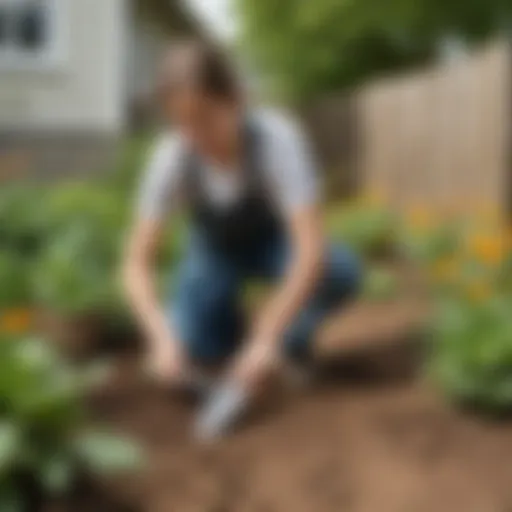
x: 166, y: 362
x: 256, y: 362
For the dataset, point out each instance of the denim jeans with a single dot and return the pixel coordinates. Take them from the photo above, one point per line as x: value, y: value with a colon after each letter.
x: 206, y: 309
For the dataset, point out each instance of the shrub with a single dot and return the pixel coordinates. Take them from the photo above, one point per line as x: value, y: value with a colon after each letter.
x: 429, y: 245
x: 471, y: 358
x: 15, y: 284
x: 42, y: 424
x: 380, y: 284
x: 59, y: 245
x: 76, y: 273
x: 85, y: 203
x: 368, y: 228
x: 77, y: 269
x: 22, y: 228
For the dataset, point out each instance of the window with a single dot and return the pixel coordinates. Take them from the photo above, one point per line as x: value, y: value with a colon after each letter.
x: 28, y: 32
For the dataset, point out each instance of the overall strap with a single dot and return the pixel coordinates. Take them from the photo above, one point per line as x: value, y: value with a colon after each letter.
x: 251, y: 165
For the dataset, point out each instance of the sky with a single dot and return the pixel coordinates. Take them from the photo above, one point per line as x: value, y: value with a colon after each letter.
x: 216, y: 15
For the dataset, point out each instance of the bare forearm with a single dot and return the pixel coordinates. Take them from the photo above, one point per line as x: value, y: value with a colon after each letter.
x: 141, y: 293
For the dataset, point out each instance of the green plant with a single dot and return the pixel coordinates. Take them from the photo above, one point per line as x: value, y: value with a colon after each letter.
x: 22, y: 228
x: 430, y: 243
x: 77, y: 272
x: 91, y: 203
x: 43, y: 433
x: 380, y: 284
x: 60, y: 245
x: 15, y: 285
x: 471, y: 356
x: 368, y: 228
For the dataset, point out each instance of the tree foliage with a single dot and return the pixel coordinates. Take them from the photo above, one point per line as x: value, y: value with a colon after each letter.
x: 309, y: 47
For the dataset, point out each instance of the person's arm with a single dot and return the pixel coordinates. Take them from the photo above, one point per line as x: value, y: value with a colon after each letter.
x: 140, y: 286
x: 292, y: 170
x: 307, y: 249
x: 139, y: 262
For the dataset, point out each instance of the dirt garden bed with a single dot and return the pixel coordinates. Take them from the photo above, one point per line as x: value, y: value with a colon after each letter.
x: 368, y: 437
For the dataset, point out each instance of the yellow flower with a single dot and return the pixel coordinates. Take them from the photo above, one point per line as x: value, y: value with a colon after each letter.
x: 15, y: 321
x: 488, y: 247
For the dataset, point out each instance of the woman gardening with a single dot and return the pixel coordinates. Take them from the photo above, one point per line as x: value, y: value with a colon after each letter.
x: 247, y: 177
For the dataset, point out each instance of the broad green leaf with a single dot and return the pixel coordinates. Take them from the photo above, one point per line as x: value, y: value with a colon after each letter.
x: 57, y: 473
x: 10, y: 445
x: 108, y: 454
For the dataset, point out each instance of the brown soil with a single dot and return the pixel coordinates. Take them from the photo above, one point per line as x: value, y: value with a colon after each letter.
x: 368, y: 437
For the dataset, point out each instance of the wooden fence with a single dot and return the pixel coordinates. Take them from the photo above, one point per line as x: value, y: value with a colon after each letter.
x: 439, y: 138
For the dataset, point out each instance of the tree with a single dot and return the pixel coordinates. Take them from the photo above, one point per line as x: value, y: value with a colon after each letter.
x: 310, y: 47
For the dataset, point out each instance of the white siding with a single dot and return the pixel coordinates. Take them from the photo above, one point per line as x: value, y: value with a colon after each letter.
x: 83, y: 90
x: 145, y: 49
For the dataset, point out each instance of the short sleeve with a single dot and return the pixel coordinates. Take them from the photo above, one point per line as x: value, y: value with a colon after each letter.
x: 289, y: 162
x: 160, y: 180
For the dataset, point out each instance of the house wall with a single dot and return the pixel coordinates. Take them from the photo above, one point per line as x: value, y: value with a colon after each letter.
x: 145, y: 46
x: 78, y: 90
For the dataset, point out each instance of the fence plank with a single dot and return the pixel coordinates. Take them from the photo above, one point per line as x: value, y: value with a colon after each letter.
x: 440, y: 138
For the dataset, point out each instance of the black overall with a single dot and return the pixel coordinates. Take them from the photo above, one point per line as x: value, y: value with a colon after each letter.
x: 231, y: 245
x: 244, y: 226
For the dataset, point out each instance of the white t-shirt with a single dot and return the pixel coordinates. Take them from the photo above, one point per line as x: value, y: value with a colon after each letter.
x: 287, y: 164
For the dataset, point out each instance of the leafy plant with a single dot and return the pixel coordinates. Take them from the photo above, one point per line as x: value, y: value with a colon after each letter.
x: 429, y: 244
x: 471, y: 358
x: 89, y: 203
x: 368, y: 228
x: 22, y: 228
x: 469, y: 266
x: 14, y: 279
x: 42, y: 424
x: 60, y: 245
x: 380, y: 284
x: 77, y: 272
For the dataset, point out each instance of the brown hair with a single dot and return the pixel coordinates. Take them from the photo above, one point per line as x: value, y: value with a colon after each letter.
x: 199, y: 65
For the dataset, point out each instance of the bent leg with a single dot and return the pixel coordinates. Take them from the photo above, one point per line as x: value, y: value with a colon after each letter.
x: 338, y: 284
x: 205, y: 311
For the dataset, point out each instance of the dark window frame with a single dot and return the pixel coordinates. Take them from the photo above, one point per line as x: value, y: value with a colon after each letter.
x: 13, y: 52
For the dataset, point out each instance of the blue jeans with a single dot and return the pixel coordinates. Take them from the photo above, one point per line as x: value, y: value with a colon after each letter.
x: 207, y: 310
